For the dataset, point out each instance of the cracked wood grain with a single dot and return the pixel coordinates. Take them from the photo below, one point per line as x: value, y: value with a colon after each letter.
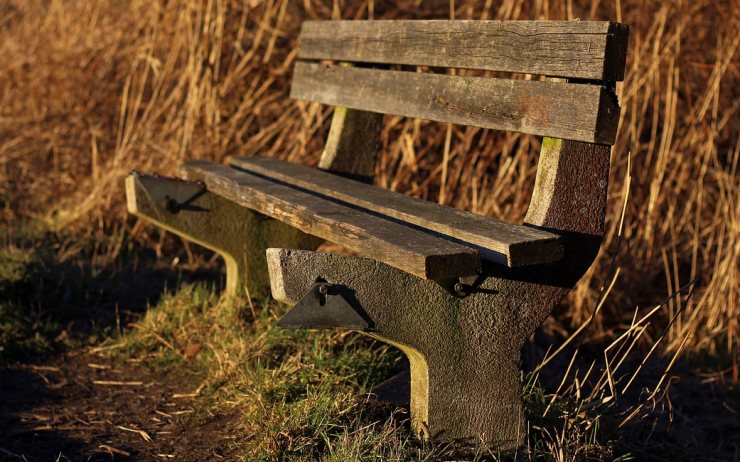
x: 499, y: 241
x: 594, y: 50
x: 402, y: 247
x: 580, y: 112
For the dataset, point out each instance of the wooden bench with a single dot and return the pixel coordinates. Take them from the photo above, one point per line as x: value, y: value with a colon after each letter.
x: 457, y: 292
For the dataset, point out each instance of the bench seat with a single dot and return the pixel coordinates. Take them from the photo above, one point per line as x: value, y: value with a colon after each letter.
x: 405, y: 248
x: 422, y: 238
x: 498, y: 241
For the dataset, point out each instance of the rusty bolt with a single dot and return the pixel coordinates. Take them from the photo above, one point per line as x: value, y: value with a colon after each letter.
x: 169, y: 204
x: 461, y: 288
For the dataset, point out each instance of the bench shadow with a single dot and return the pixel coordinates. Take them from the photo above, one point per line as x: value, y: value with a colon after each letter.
x: 49, y: 308
x: 56, y: 302
x: 698, y: 422
x: 25, y: 430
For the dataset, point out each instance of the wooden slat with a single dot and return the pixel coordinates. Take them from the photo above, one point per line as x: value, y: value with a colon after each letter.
x: 576, y: 49
x: 578, y: 112
x: 499, y: 241
x: 397, y: 245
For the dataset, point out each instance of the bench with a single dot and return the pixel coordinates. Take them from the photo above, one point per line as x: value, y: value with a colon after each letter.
x: 458, y: 293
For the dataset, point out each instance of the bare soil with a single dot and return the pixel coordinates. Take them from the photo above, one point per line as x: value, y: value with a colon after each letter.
x: 77, y: 408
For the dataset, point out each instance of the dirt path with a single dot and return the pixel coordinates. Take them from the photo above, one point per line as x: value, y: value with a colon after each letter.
x: 78, y: 408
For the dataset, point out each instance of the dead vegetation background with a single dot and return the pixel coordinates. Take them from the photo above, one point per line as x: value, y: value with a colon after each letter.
x: 92, y: 89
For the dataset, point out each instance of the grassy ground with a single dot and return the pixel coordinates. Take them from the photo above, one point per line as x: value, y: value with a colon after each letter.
x: 250, y: 391
x: 90, y: 90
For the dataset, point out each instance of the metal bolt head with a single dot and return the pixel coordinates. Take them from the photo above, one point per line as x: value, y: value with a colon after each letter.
x: 460, y: 287
x: 169, y: 204
x: 323, y: 289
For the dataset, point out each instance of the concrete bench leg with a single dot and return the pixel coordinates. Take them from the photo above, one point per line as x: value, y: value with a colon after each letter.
x: 464, y: 353
x: 239, y: 235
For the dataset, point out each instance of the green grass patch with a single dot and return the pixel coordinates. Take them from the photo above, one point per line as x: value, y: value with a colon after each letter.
x: 300, y: 393
x: 60, y: 291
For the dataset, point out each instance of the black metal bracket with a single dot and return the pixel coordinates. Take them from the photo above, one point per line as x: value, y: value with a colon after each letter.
x: 174, y: 206
x: 323, y: 307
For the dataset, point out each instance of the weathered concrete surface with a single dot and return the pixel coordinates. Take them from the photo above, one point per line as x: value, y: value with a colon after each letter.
x: 239, y: 235
x: 465, y: 352
x: 351, y: 148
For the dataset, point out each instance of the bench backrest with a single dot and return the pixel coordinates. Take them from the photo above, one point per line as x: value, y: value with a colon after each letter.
x: 586, y: 110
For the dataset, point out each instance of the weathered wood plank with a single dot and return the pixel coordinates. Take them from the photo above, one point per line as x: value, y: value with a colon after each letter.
x: 579, y: 112
x: 405, y: 248
x: 505, y: 243
x: 575, y: 49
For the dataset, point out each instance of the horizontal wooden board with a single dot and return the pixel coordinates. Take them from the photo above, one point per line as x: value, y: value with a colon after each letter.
x: 577, y: 49
x: 405, y: 248
x: 578, y: 112
x: 499, y: 241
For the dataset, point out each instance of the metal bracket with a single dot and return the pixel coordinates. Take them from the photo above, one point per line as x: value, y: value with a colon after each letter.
x: 469, y: 285
x: 172, y: 205
x: 323, y: 307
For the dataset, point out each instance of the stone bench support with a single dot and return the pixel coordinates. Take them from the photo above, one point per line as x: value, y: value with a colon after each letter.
x: 239, y: 235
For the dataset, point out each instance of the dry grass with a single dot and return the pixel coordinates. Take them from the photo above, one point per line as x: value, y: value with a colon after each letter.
x: 90, y: 90
x: 93, y: 89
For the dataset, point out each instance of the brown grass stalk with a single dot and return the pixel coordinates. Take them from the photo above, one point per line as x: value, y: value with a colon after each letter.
x: 90, y: 90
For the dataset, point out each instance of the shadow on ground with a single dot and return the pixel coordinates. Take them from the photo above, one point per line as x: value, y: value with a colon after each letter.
x: 81, y: 408
x: 60, y: 402
x: 696, y: 419
x: 54, y: 298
